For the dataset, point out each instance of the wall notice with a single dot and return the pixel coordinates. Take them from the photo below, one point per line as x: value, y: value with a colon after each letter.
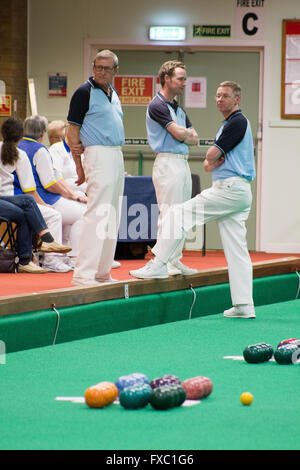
x: 195, y: 92
x: 5, y: 105
x: 57, y: 85
x: 134, y: 90
x: 250, y: 19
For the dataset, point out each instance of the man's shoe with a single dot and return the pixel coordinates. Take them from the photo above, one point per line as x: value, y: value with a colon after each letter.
x: 31, y: 268
x: 151, y: 271
x: 240, y: 311
x: 179, y: 268
x: 56, y: 265
x: 115, y: 264
x: 54, y: 247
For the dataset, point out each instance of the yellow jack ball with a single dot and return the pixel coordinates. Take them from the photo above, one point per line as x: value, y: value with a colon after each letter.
x: 246, y: 398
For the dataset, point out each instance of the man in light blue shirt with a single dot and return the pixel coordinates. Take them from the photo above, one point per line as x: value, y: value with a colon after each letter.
x: 231, y: 161
x: 95, y: 128
x: 170, y: 133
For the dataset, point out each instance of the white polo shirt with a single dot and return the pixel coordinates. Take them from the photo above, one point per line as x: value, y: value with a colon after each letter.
x: 22, y: 169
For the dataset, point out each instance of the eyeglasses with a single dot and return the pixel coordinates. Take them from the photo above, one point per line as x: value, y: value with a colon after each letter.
x: 100, y: 68
x: 225, y: 96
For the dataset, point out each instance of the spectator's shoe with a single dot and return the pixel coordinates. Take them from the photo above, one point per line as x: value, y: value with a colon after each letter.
x: 151, y: 271
x: 55, y: 265
x: 179, y: 268
x: 68, y: 261
x: 31, y: 268
x: 240, y: 311
x: 53, y: 247
x: 115, y: 264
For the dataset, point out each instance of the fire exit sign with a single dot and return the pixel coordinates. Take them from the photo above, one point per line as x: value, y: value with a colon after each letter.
x: 204, y: 30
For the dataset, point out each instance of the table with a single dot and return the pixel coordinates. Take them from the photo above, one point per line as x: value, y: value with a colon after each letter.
x: 139, y: 210
x: 139, y: 214
x: 31, y: 380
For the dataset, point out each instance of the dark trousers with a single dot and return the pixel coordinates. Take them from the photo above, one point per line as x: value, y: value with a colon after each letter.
x: 24, y: 212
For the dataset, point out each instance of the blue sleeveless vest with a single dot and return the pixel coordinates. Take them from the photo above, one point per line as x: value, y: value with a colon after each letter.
x: 31, y: 146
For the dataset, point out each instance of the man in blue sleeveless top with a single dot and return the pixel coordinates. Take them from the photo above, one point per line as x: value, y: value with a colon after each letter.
x: 95, y: 128
x: 170, y: 132
x: 231, y: 161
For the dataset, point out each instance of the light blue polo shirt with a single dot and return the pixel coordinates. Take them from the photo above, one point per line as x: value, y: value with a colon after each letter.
x: 235, y: 141
x: 99, y: 116
x: 161, y: 113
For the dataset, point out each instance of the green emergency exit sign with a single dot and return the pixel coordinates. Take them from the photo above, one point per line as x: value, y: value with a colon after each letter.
x: 204, y: 30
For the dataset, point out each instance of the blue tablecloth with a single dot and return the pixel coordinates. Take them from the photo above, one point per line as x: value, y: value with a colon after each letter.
x: 139, y: 210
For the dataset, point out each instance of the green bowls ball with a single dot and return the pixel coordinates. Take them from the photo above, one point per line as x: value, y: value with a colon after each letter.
x: 287, y: 354
x: 136, y: 396
x: 167, y: 396
x: 257, y: 353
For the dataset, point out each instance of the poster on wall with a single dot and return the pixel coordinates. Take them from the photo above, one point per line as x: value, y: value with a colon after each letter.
x: 134, y: 90
x: 57, y: 84
x: 290, y: 81
x: 5, y: 105
x: 195, y: 92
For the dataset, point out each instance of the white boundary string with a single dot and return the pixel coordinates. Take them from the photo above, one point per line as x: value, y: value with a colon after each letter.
x: 194, y: 300
x: 298, y: 291
x: 57, y: 324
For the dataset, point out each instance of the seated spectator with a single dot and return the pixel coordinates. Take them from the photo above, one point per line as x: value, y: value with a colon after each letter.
x: 64, y: 164
x: 53, y: 192
x: 14, y: 163
x: 24, y: 212
x: 56, y: 131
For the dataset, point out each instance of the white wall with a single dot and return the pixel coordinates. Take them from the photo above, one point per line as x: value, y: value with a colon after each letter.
x: 280, y: 195
x: 59, y: 35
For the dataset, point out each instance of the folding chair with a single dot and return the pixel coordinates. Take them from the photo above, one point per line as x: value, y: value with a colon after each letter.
x: 8, y: 234
x: 8, y: 246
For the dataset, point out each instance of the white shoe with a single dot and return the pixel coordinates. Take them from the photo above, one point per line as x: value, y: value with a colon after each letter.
x: 115, y: 264
x: 240, y: 311
x: 151, y: 271
x: 57, y: 266
x: 68, y: 261
x: 177, y: 267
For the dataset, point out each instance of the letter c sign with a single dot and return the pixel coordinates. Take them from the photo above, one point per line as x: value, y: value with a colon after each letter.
x: 245, y: 26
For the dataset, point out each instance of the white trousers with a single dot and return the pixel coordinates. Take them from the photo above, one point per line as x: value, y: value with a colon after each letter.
x: 53, y: 220
x: 104, y: 171
x: 228, y: 201
x: 77, y: 189
x: 72, y: 222
x: 172, y: 181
